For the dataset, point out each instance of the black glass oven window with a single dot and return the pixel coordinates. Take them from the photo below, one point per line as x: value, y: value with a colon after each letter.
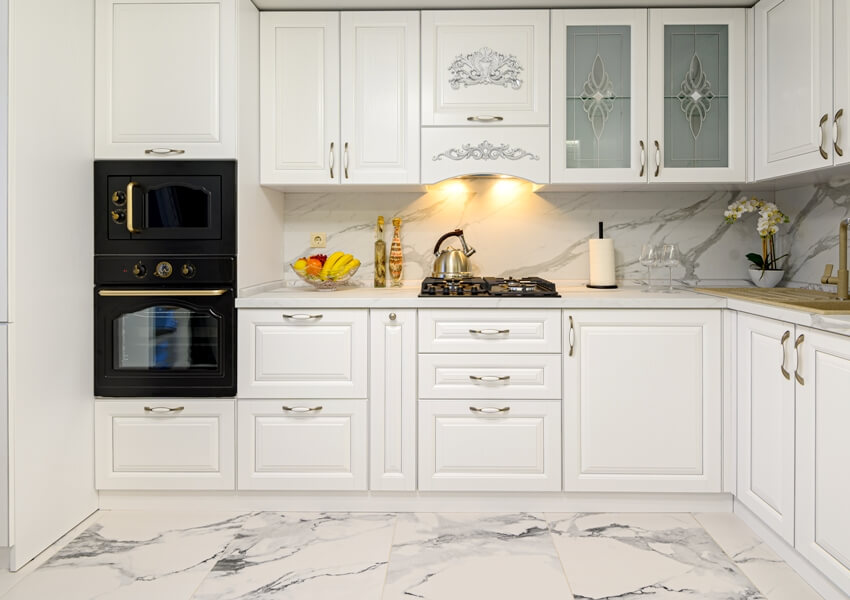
x: 178, y: 206
x: 166, y: 338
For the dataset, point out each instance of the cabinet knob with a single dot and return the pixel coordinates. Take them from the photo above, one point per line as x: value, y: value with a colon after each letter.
x: 392, y: 316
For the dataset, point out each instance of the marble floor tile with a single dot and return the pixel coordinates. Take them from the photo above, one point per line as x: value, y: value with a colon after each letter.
x: 133, y: 555
x: 635, y: 555
x: 766, y: 570
x: 298, y: 556
x: 465, y: 556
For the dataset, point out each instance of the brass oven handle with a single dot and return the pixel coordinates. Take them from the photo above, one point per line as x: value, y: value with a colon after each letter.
x: 489, y: 331
x: 164, y: 151
x: 800, y: 339
x: 642, y: 159
x: 490, y: 378
x: 345, y: 160
x: 163, y: 409
x: 302, y: 317
x: 823, y: 120
x: 784, y: 339
x: 836, y: 132
x: 130, y: 227
x: 572, y: 336
x: 485, y: 119
x: 489, y: 410
x: 301, y: 409
x: 657, y: 158
x: 162, y: 293
x: 332, y: 160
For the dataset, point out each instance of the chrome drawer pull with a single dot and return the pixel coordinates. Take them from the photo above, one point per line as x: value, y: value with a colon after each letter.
x: 490, y: 378
x: 489, y: 410
x: 657, y: 158
x: 784, y: 339
x: 164, y: 151
x: 572, y: 337
x: 301, y: 409
x: 302, y: 317
x: 332, y: 160
x: 485, y: 119
x: 163, y: 409
x: 800, y: 339
x: 489, y: 331
x: 642, y: 159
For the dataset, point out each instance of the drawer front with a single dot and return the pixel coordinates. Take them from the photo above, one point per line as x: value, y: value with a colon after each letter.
x: 490, y: 330
x: 283, y: 445
x: 157, y: 445
x: 298, y: 353
x: 511, y: 450
x: 516, y: 376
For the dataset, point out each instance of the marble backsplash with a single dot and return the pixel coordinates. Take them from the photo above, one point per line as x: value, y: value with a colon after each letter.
x: 517, y: 231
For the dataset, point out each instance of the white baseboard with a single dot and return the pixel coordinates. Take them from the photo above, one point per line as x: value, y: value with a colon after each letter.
x: 786, y: 552
x: 415, y: 502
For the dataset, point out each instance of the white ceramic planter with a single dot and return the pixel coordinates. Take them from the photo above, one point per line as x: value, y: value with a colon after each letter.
x: 766, y: 279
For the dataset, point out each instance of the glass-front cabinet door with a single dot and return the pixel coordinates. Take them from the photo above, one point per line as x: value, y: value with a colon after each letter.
x: 599, y: 96
x: 697, y: 102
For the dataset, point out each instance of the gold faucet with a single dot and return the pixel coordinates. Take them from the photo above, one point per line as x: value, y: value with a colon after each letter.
x: 842, y: 278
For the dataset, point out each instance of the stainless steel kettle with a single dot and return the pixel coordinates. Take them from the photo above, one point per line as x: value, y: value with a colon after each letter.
x: 451, y: 263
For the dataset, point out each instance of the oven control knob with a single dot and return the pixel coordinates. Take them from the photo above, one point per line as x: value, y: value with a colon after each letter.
x: 163, y: 269
x: 188, y: 270
x: 139, y: 270
x: 118, y: 216
x: 119, y: 198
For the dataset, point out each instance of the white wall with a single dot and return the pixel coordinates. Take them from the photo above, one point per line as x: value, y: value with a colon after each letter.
x: 50, y: 196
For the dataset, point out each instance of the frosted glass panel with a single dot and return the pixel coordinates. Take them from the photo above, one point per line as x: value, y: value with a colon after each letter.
x: 598, y: 97
x: 696, y: 96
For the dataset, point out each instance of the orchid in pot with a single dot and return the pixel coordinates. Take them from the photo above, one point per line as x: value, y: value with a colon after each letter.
x: 764, y: 267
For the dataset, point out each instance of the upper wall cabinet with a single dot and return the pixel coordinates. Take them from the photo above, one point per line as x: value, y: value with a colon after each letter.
x: 165, y: 79
x: 339, y: 97
x: 794, y: 84
x: 484, y: 67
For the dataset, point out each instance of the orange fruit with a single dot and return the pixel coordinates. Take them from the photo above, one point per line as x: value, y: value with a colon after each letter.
x: 314, y: 267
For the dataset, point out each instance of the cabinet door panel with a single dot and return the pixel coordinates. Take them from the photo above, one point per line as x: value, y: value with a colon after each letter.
x: 490, y: 330
x: 517, y: 376
x: 598, y: 95
x: 299, y: 98
x: 766, y: 422
x: 841, y: 82
x: 793, y: 86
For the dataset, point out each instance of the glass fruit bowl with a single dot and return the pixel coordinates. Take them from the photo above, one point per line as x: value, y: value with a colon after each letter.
x: 326, y: 285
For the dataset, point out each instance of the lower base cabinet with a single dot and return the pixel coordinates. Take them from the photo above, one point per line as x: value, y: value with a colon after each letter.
x: 483, y: 445
x: 162, y: 444
x: 302, y: 444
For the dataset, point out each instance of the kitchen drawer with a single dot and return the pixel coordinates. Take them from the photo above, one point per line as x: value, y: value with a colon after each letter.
x: 511, y: 447
x: 302, y: 445
x: 299, y: 353
x: 490, y: 330
x: 162, y: 444
x: 517, y: 376
x: 453, y: 151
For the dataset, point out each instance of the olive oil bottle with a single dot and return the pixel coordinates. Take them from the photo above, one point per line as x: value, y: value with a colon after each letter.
x: 380, y: 255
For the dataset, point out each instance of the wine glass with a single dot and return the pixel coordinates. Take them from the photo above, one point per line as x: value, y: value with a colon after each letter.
x: 649, y: 256
x: 670, y: 257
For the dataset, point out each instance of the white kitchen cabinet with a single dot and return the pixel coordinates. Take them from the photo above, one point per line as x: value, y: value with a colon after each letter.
x: 501, y: 330
x: 823, y: 453
x: 489, y: 445
x: 697, y: 95
x: 164, y: 444
x: 339, y: 97
x: 841, y: 82
x: 766, y: 421
x: 165, y: 78
x: 290, y: 353
x: 793, y: 85
x: 485, y: 67
x: 302, y: 444
x: 392, y: 399
x: 642, y: 400
x: 599, y: 70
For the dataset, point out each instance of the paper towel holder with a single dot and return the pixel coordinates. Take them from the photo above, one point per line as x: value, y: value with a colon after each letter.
x: 601, y: 287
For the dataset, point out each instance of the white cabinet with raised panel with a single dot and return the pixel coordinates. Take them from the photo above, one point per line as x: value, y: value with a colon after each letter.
x: 164, y: 444
x: 165, y: 78
x: 392, y: 399
x: 766, y: 421
x: 339, y: 97
x: 290, y: 353
x: 490, y: 330
x: 642, y: 409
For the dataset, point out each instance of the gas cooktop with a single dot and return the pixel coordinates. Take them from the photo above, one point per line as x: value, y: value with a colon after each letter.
x: 533, y: 287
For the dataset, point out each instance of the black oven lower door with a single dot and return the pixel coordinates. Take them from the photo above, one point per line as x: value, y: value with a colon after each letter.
x: 165, y: 342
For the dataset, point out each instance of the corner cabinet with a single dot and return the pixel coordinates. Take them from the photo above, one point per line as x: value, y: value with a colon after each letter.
x: 339, y: 97
x: 165, y: 79
x: 642, y: 402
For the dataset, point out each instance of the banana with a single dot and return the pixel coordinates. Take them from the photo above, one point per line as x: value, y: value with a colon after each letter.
x: 339, y: 265
x: 329, y: 264
x: 352, y: 264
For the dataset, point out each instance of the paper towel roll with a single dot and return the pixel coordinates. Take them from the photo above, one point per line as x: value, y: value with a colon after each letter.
x: 602, y: 268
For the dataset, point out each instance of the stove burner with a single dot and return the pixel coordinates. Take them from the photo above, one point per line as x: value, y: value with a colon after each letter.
x: 488, y: 286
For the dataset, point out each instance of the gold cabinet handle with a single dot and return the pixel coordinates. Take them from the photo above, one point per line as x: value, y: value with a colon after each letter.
x: 302, y: 317
x: 164, y: 151
x: 345, y: 160
x: 300, y: 409
x: 823, y: 120
x: 784, y: 339
x: 164, y: 409
x: 572, y: 336
x: 657, y: 158
x: 489, y: 410
x: 130, y: 227
x: 393, y: 316
x: 489, y: 331
x: 797, y: 343
x: 490, y: 378
x: 485, y: 119
x: 836, y: 132
x: 642, y: 159
x: 332, y: 159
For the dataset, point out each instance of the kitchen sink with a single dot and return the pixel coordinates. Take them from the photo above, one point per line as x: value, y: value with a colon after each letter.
x: 824, y: 303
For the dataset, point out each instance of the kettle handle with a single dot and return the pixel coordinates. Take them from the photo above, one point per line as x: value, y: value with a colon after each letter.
x: 444, y: 237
